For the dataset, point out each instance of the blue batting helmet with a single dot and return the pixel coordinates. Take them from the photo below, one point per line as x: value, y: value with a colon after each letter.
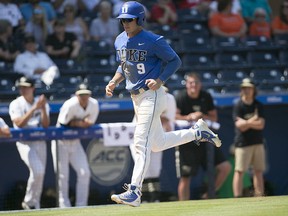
x: 132, y: 9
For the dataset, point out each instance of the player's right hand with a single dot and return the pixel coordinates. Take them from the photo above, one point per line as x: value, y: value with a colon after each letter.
x: 109, y: 89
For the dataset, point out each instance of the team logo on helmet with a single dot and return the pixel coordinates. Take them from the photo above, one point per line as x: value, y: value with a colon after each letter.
x: 132, y: 9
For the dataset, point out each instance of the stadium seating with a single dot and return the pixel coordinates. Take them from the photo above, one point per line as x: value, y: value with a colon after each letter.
x: 231, y: 60
x: 262, y: 59
x: 222, y: 62
x: 195, y: 43
x: 198, y: 61
x: 190, y: 15
x: 259, y: 43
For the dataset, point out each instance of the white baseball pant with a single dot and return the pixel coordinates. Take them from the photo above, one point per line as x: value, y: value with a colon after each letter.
x: 34, y: 156
x: 149, y: 134
x: 74, y: 154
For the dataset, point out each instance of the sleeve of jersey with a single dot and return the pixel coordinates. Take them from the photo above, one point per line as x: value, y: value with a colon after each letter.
x: 95, y: 113
x: 169, y: 56
x: 64, y: 115
x: 14, y: 110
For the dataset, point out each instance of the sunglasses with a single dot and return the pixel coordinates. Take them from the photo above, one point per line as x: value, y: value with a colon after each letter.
x: 127, y: 20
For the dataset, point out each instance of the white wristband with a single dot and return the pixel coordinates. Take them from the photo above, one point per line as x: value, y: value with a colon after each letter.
x: 113, y: 81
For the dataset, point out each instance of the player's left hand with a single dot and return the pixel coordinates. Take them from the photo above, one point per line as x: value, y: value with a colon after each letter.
x: 153, y: 84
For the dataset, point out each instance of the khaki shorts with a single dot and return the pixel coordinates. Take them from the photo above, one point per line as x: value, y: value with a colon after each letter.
x: 253, y: 156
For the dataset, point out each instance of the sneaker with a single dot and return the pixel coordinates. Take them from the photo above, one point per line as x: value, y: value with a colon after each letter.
x: 26, y: 206
x: 204, y: 134
x: 131, y: 197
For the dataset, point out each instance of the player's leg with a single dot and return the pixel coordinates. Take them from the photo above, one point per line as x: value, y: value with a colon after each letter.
x: 28, y: 154
x: 165, y: 140
x: 62, y: 158
x: 144, y: 106
x: 41, y: 149
x: 80, y: 164
x: 151, y: 183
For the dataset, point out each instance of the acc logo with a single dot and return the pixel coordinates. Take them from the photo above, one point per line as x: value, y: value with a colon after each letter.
x: 108, y: 165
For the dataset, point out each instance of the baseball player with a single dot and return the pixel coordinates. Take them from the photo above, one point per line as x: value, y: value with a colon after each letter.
x: 146, y: 62
x: 4, y: 129
x: 79, y: 111
x: 28, y: 111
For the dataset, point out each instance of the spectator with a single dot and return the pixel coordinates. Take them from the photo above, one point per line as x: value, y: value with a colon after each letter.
x: 236, y: 7
x: 226, y: 24
x: 35, y: 64
x: 28, y: 8
x: 248, y: 116
x: 75, y: 24
x: 259, y: 26
x: 249, y: 6
x: 80, y: 111
x: 194, y: 103
x: 90, y: 5
x: 4, y: 129
x: 164, y: 13
x: 280, y: 23
x: 60, y: 4
x: 10, y: 11
x: 8, y: 50
x: 39, y: 27
x: 28, y: 111
x: 104, y: 28
x: 62, y: 44
x: 200, y: 5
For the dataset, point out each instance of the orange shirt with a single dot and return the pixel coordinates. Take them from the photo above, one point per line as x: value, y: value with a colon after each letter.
x: 279, y: 24
x: 260, y: 29
x: 228, y: 23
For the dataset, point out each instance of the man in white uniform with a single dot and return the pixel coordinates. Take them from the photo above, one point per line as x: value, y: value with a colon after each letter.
x: 28, y: 111
x: 79, y: 111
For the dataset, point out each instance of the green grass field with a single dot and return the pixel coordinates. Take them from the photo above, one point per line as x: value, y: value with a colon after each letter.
x: 255, y: 206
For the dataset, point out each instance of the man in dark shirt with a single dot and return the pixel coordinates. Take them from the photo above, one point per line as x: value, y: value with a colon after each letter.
x: 194, y: 103
x: 249, y: 124
x: 8, y: 51
x: 62, y: 44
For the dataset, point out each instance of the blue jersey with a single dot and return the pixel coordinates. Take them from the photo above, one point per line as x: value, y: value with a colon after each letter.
x: 145, y: 56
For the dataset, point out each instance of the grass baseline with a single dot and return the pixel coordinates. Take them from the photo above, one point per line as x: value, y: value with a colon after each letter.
x: 253, y: 206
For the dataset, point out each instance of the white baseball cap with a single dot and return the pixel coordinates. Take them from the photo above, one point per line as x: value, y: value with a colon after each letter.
x: 83, y: 89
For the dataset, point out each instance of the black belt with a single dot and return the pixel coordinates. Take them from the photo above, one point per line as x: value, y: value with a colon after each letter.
x: 138, y: 91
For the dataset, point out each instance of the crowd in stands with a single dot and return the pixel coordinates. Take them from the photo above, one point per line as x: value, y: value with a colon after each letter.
x: 71, y: 30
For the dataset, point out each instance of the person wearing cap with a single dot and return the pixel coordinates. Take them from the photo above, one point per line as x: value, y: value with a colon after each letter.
x: 146, y: 61
x: 80, y: 111
x: 248, y: 116
x: 29, y: 111
x: 34, y: 64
